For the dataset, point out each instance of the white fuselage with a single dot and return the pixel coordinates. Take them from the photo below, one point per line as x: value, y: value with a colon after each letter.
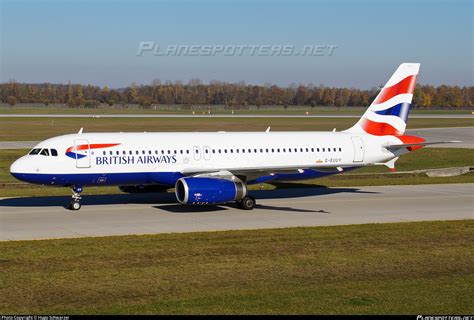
x: 147, y: 158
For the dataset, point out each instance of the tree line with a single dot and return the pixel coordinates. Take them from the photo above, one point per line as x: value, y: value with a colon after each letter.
x: 232, y: 95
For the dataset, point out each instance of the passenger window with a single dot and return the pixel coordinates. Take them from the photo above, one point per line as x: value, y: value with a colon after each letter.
x: 340, y: 149
x: 54, y: 152
x: 44, y: 152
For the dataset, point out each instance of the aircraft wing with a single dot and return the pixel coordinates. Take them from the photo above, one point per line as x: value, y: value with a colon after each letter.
x: 252, y: 173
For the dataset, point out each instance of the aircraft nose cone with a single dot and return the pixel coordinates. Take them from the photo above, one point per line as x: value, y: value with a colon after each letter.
x: 17, y: 169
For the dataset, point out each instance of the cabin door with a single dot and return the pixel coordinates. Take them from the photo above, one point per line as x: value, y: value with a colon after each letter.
x: 358, y: 149
x: 82, y: 151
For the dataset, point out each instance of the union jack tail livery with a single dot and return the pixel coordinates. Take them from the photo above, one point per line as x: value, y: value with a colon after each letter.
x: 388, y: 113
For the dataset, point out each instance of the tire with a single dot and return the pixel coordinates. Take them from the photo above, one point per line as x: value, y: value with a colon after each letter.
x: 74, y: 205
x: 247, y: 203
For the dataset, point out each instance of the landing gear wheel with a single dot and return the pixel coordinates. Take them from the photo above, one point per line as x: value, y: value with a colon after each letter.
x: 247, y: 203
x: 74, y: 205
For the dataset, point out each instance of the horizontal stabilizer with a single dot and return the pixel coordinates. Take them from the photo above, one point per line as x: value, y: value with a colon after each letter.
x: 420, y: 144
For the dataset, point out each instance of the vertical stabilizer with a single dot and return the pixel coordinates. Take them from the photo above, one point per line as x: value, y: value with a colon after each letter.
x: 388, y: 113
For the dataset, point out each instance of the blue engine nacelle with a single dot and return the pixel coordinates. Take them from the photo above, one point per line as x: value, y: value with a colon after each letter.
x: 207, y: 190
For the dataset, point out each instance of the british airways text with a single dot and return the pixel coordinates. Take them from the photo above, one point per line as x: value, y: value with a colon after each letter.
x: 135, y: 159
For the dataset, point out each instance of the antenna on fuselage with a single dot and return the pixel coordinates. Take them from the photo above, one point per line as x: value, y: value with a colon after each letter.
x: 268, y: 130
x: 80, y: 131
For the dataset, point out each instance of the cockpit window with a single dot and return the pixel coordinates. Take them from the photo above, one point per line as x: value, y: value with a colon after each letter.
x: 44, y: 152
x: 54, y: 152
x: 34, y: 151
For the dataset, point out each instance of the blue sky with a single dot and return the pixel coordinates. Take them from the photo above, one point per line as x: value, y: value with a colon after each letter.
x: 96, y: 41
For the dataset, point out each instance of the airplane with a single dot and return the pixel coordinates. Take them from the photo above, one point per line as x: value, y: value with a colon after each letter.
x: 208, y: 168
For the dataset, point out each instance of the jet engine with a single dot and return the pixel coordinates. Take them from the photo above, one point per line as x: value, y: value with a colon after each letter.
x: 209, y: 190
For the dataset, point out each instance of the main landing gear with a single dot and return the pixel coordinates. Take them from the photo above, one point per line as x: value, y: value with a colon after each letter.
x: 75, y: 203
x: 247, y: 203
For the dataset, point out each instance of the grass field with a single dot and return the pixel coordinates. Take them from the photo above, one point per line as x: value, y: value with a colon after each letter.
x: 398, y: 268
x: 20, y: 129
x: 28, y: 108
x: 427, y: 158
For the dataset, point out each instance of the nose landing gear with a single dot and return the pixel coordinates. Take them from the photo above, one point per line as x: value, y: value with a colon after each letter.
x: 75, y: 203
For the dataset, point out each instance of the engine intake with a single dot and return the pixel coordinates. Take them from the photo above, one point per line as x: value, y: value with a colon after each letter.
x: 205, y: 190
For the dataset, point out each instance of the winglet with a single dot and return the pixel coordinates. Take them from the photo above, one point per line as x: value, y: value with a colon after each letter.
x: 391, y: 164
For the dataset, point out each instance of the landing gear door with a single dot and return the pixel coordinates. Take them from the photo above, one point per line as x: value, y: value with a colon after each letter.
x: 358, y: 149
x: 82, y: 151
